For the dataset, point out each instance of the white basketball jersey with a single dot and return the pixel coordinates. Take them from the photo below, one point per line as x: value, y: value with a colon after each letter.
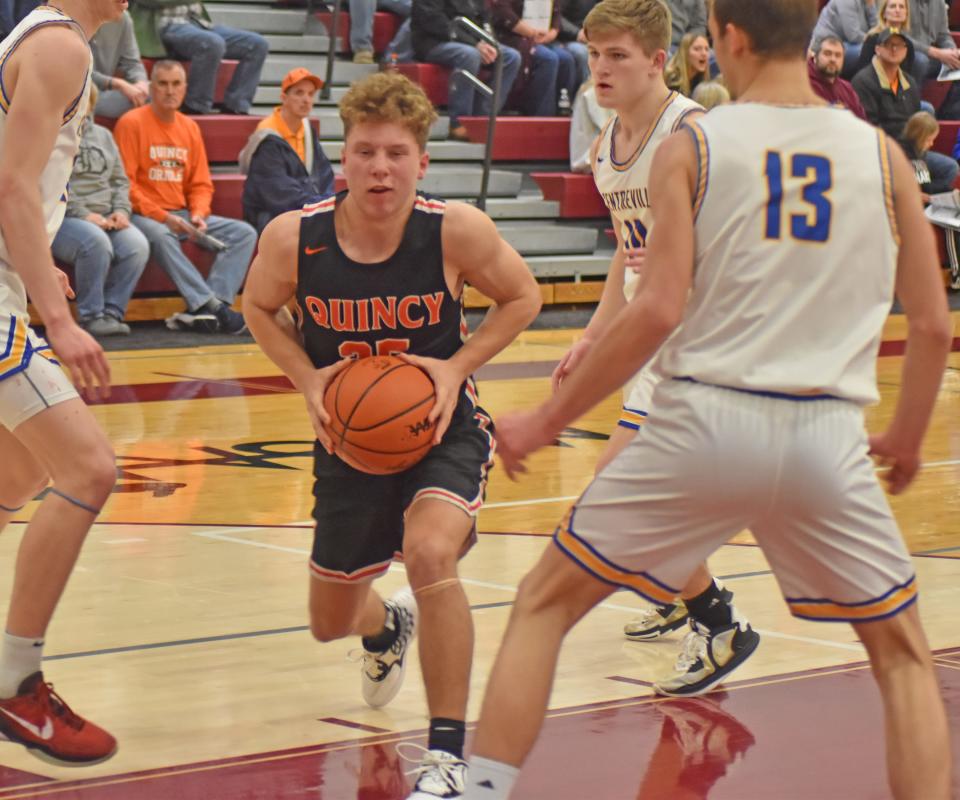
x: 623, y: 182
x: 54, y: 178
x: 796, y: 250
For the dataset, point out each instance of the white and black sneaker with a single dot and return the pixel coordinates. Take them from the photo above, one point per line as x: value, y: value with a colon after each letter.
x: 381, y: 674
x: 438, y: 773
x: 199, y: 321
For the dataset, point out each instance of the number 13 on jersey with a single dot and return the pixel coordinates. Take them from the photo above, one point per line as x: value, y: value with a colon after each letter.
x: 811, y: 219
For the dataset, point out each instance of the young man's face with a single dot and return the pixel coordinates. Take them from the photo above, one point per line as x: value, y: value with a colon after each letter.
x: 382, y: 163
x: 298, y: 99
x: 724, y: 48
x: 622, y: 72
x: 893, y: 51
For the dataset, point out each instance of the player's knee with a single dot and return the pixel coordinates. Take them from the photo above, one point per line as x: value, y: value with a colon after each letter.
x: 325, y: 629
x: 20, y: 489
x: 895, y: 643
x: 430, y: 559
x: 91, y: 477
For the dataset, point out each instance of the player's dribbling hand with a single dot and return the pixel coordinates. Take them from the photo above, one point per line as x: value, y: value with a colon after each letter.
x: 519, y: 434
x: 902, y: 463
x: 83, y: 358
x: 447, y: 380
x: 313, y: 393
x: 569, y: 362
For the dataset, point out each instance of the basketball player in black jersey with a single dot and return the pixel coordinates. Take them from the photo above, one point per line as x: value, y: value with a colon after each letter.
x: 380, y: 269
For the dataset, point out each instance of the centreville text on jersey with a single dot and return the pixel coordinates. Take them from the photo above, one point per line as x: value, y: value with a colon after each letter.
x: 626, y: 199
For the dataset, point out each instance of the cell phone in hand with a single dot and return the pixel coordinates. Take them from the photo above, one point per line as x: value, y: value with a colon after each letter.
x: 204, y: 239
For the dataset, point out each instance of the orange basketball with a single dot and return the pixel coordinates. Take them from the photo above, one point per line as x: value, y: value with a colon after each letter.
x: 378, y: 411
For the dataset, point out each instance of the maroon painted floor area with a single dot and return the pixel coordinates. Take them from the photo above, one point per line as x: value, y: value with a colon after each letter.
x: 807, y: 736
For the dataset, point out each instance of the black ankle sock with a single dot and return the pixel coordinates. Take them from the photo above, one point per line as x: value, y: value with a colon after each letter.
x: 383, y: 641
x: 447, y: 735
x: 711, y: 607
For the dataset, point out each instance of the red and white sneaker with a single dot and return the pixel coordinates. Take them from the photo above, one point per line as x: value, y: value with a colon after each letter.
x: 37, y: 718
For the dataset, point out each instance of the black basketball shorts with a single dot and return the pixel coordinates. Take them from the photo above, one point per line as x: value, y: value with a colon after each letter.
x: 360, y: 517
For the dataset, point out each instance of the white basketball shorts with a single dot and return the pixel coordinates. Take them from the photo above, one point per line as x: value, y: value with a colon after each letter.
x: 31, y: 380
x: 715, y: 461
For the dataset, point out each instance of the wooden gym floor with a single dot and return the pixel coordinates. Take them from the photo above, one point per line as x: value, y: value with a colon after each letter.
x: 183, y: 630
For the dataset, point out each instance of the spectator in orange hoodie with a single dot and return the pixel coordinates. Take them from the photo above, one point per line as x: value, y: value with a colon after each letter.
x: 171, y: 191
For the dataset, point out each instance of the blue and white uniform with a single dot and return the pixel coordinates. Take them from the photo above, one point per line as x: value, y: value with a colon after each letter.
x: 623, y: 184
x: 29, y: 380
x: 758, y: 422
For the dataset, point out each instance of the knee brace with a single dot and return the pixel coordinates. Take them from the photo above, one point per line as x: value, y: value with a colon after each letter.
x: 73, y: 501
x: 433, y: 588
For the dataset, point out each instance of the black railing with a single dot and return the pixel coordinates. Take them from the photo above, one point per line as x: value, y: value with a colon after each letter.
x: 332, y: 46
x: 472, y: 29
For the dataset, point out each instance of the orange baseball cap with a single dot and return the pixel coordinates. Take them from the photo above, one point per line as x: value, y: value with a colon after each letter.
x: 300, y: 74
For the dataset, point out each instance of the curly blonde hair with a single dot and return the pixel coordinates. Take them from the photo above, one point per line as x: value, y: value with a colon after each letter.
x: 649, y: 21
x: 388, y: 97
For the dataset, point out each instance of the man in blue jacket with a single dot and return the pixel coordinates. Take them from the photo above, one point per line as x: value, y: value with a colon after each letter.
x: 283, y: 161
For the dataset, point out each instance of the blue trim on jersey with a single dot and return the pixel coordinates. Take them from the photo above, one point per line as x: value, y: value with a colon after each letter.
x: 63, y: 20
x: 800, y: 398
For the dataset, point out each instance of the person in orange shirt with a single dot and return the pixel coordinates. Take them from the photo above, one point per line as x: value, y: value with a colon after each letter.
x: 285, y: 165
x: 171, y: 191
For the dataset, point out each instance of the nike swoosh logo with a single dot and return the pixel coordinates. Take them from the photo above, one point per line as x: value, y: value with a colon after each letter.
x: 312, y: 251
x: 45, y: 733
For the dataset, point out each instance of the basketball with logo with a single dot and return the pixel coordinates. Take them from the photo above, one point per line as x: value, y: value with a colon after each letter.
x: 378, y: 409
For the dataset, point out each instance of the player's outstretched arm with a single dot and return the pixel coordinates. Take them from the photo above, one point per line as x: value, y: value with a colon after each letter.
x: 640, y: 328
x: 474, y: 253
x: 44, y: 76
x: 271, y: 284
x: 929, y: 330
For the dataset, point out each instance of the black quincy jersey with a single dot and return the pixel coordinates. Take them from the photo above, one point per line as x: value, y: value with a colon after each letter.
x: 398, y: 305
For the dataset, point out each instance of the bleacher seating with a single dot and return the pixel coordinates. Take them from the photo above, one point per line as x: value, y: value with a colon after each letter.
x: 576, y: 193
x: 385, y: 27
x: 434, y: 79
x: 524, y: 138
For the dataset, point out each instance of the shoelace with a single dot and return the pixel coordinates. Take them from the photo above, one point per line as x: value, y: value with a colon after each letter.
x: 371, y: 662
x: 58, y: 706
x: 693, y: 648
x: 434, y: 773
x: 649, y: 616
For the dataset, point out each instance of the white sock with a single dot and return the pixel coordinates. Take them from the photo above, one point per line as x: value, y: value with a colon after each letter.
x: 19, y: 659
x: 489, y: 780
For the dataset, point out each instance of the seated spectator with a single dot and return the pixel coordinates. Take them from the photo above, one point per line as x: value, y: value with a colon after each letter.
x: 107, y: 253
x: 848, y: 21
x: 930, y: 30
x: 687, y: 16
x: 889, y: 99
x: 361, y: 27
x: 185, y: 31
x: 171, y: 191
x: 689, y: 65
x: 434, y: 41
x: 285, y: 166
x: 547, y: 69
x: 824, y: 70
x: 118, y: 71
x: 710, y: 94
x: 893, y: 14
x: 919, y: 134
x: 572, y: 15
x: 588, y: 120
